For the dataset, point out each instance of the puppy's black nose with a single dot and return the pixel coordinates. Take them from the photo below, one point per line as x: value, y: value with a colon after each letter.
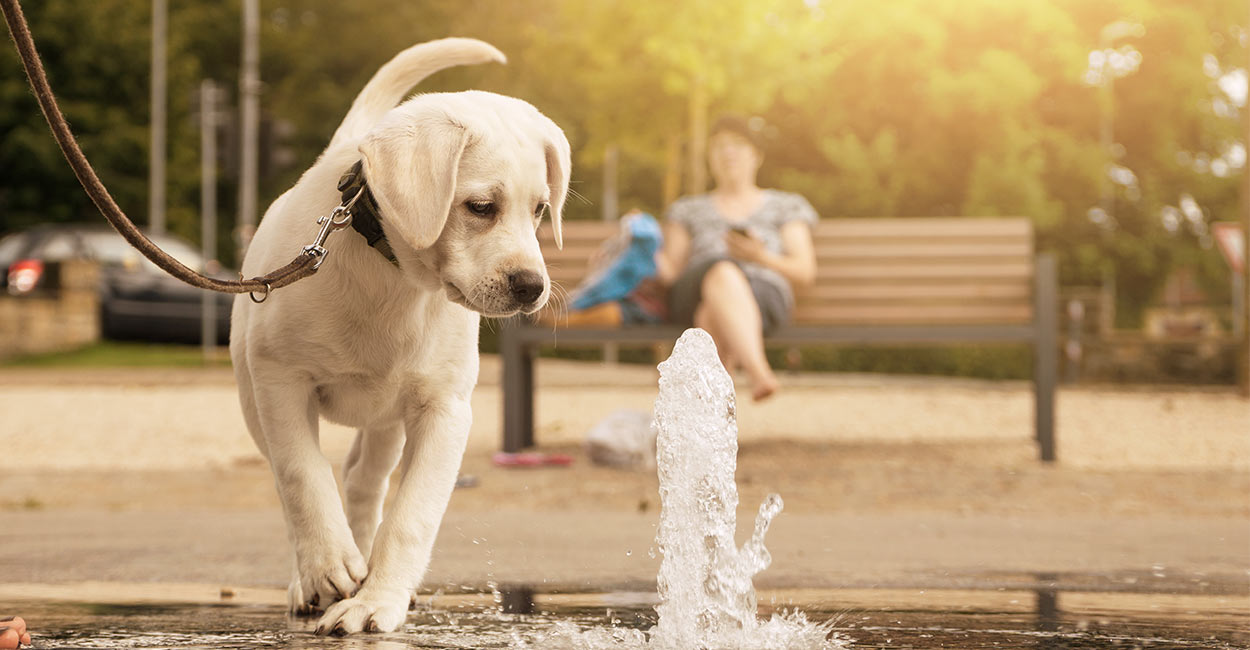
x: 526, y: 286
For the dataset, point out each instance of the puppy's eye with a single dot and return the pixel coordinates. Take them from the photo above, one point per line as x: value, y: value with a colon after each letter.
x: 482, y: 208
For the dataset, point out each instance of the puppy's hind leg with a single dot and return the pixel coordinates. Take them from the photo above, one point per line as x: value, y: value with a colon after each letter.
x: 366, y: 475
x: 247, y: 398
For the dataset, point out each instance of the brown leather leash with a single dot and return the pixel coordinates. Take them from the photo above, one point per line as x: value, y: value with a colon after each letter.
x: 301, y: 267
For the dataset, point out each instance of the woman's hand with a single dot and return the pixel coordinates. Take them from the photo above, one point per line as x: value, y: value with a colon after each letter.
x: 745, y: 247
x: 797, y: 264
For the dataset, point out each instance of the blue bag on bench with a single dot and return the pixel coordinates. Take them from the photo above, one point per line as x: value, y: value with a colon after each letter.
x: 620, y: 267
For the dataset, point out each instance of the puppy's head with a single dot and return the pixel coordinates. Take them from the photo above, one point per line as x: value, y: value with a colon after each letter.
x: 463, y: 181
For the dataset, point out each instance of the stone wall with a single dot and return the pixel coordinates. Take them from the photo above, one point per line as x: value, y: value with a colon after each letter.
x: 64, y: 314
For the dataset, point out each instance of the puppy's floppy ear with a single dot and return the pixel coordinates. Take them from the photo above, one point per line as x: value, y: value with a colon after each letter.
x: 411, y: 170
x: 559, y: 166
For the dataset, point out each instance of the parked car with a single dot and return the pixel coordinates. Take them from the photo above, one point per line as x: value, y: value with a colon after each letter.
x: 138, y: 301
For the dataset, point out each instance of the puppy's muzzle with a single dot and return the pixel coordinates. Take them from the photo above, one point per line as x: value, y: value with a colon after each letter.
x: 526, y: 287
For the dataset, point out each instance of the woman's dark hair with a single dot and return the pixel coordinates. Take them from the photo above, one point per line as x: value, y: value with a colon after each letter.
x: 751, y: 129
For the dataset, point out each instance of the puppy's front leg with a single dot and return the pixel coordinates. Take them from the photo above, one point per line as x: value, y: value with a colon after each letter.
x: 328, y: 563
x: 437, y: 430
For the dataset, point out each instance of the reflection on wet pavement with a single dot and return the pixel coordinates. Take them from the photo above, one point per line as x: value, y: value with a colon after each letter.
x: 871, y: 619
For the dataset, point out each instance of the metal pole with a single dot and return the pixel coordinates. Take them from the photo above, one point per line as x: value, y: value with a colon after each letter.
x: 156, y: 140
x: 249, y: 118
x: 208, y: 211
x: 1045, y: 354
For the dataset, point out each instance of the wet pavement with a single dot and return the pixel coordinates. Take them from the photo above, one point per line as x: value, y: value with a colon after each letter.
x: 519, y: 618
x: 585, y: 550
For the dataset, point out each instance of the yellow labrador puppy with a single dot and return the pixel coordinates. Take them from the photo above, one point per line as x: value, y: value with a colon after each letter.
x: 384, y: 337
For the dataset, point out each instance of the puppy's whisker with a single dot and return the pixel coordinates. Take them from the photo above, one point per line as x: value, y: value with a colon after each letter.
x: 561, y: 297
x: 557, y: 292
x: 579, y: 196
x: 475, y: 294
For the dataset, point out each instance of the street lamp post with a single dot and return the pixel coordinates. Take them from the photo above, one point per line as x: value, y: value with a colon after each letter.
x: 156, y: 139
x: 249, y: 118
x: 208, y: 212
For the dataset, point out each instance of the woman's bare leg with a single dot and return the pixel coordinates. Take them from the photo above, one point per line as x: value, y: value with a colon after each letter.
x: 705, y: 322
x: 730, y: 314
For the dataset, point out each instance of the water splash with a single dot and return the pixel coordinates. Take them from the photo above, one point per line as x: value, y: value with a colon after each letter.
x: 707, y: 599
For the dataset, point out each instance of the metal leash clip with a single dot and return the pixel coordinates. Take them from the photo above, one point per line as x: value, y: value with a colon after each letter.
x: 339, y: 219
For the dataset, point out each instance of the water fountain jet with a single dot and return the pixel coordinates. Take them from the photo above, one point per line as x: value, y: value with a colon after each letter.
x: 707, y: 599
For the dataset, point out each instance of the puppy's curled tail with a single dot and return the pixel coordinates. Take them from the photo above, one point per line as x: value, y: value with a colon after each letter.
x: 392, y: 82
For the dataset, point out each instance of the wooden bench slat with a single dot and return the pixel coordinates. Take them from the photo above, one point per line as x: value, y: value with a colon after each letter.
x: 1019, y: 290
x: 925, y: 227
x: 575, y: 230
x: 918, y: 236
x: 921, y: 272
x: 922, y: 250
x: 888, y: 268
x: 573, y: 252
x: 911, y: 314
x: 859, y: 228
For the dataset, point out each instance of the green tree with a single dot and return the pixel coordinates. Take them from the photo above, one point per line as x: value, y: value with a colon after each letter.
x: 912, y: 107
x: 103, y: 93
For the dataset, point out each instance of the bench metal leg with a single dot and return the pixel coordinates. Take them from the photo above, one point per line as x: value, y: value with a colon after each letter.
x: 518, y: 391
x: 1045, y: 353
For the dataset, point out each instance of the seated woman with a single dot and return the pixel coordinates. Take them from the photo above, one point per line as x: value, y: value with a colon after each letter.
x: 732, y: 257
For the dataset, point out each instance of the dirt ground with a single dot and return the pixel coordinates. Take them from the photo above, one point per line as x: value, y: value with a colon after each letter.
x: 867, y: 465
x: 827, y: 442
x: 963, y: 478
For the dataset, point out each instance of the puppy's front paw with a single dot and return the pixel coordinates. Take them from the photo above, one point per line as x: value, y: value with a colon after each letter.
x: 368, y: 611
x: 326, y: 577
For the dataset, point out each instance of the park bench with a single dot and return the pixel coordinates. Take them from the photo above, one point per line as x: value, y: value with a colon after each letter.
x: 879, y: 281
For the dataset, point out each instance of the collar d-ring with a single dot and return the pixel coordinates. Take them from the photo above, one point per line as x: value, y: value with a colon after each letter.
x: 263, y: 298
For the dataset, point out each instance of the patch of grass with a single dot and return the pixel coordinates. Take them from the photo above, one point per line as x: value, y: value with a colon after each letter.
x: 113, y: 354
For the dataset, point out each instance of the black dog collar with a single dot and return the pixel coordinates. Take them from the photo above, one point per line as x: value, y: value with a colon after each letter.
x: 366, y: 218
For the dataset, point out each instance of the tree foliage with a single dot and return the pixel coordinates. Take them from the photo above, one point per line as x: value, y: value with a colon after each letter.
x: 911, y: 107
